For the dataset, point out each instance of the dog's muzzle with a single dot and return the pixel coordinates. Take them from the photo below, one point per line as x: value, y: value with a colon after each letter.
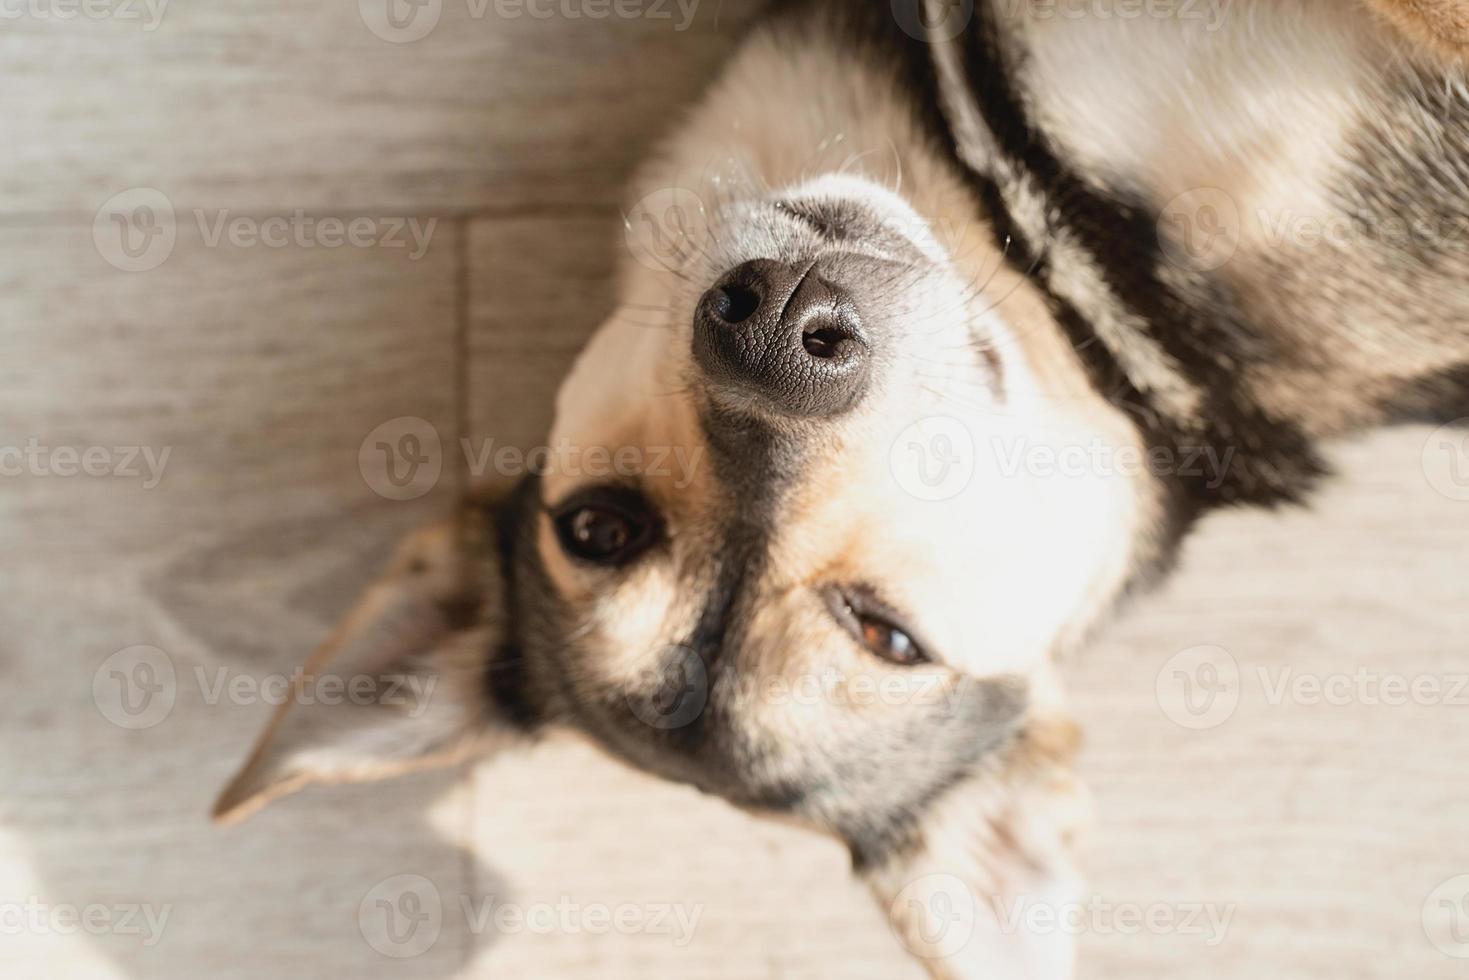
x: 787, y: 334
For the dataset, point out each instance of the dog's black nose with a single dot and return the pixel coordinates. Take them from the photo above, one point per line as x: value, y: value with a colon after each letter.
x: 786, y: 334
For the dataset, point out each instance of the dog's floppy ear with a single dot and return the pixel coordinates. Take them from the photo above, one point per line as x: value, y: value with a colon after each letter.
x: 398, y: 685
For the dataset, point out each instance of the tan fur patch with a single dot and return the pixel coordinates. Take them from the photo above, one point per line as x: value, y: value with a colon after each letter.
x: 1441, y: 25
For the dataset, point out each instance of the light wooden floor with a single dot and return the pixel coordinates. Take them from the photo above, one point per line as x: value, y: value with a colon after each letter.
x: 1325, y: 828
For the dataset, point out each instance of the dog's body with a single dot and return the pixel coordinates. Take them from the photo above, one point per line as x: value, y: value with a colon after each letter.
x: 1197, y: 243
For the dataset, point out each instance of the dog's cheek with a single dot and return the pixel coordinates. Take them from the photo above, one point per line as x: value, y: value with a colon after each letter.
x: 867, y: 753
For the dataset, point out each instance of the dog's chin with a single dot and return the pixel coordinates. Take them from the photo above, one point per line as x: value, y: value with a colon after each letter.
x: 866, y: 787
x: 668, y: 728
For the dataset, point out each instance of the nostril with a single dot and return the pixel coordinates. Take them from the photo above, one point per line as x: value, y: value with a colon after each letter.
x: 734, y: 303
x: 831, y: 336
x: 823, y: 342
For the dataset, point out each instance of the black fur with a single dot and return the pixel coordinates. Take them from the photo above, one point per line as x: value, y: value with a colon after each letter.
x: 508, y: 681
x: 1203, y: 334
x: 1272, y: 460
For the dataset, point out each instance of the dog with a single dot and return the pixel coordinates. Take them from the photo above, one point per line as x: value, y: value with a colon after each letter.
x: 897, y: 256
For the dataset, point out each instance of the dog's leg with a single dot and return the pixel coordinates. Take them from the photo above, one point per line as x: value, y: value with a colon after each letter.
x: 986, y: 890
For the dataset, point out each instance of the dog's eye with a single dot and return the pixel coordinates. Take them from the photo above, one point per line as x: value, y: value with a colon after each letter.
x: 889, y: 642
x: 606, y: 526
x: 874, y: 625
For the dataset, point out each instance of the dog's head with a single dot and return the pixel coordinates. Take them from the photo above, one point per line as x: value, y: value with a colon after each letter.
x: 796, y: 543
x: 831, y: 574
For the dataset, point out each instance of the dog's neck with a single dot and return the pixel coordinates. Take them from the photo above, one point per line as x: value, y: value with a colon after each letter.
x: 1158, y: 219
x: 1221, y: 255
